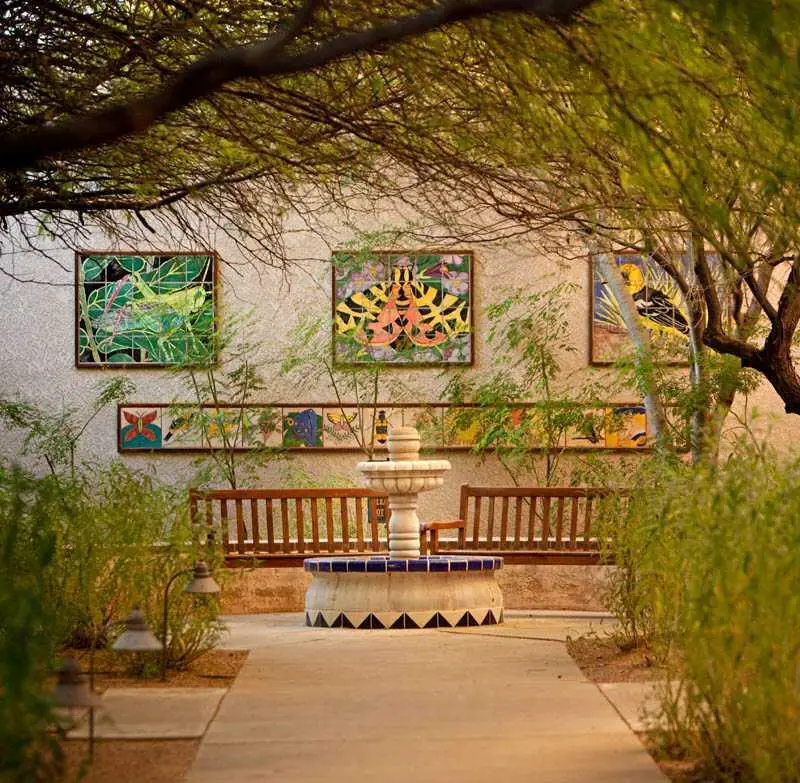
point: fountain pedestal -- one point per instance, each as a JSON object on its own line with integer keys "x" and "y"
{"x": 403, "y": 589}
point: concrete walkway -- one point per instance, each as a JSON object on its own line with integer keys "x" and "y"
{"x": 497, "y": 704}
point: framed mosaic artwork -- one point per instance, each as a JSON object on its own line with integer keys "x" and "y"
{"x": 409, "y": 309}
{"x": 658, "y": 301}
{"x": 144, "y": 309}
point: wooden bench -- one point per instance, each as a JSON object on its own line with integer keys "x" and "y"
{"x": 281, "y": 527}
{"x": 547, "y": 525}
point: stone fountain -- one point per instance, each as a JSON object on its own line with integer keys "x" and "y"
{"x": 403, "y": 589}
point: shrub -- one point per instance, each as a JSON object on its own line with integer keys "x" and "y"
{"x": 123, "y": 538}
{"x": 716, "y": 576}
{"x": 76, "y": 555}
{"x": 28, "y": 617}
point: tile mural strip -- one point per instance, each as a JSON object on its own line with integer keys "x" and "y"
{"x": 171, "y": 427}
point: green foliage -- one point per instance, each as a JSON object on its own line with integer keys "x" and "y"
{"x": 528, "y": 337}
{"x": 28, "y": 535}
{"x": 717, "y": 588}
{"x": 54, "y": 437}
{"x": 122, "y": 536}
{"x": 695, "y": 403}
{"x": 220, "y": 414}
{"x": 76, "y": 555}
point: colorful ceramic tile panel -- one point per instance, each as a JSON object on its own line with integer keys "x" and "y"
{"x": 403, "y": 308}
{"x": 462, "y": 426}
{"x": 592, "y": 432}
{"x": 626, "y": 427}
{"x": 140, "y": 428}
{"x": 658, "y": 301}
{"x": 144, "y": 310}
{"x": 268, "y": 423}
{"x": 346, "y": 427}
{"x": 302, "y": 427}
{"x": 230, "y": 427}
{"x": 429, "y": 421}
{"x": 181, "y": 428}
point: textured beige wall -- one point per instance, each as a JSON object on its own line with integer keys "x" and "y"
{"x": 38, "y": 324}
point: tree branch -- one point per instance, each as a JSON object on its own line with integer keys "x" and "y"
{"x": 21, "y": 149}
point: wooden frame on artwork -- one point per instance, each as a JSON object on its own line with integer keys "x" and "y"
{"x": 432, "y": 328}
{"x": 145, "y": 309}
{"x": 322, "y": 427}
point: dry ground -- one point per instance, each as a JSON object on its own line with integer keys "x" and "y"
{"x": 603, "y": 660}
{"x": 214, "y": 669}
{"x": 132, "y": 761}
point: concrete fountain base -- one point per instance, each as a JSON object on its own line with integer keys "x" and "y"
{"x": 434, "y": 591}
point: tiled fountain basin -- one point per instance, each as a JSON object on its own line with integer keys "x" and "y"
{"x": 434, "y": 591}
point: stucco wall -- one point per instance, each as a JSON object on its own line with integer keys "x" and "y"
{"x": 38, "y": 324}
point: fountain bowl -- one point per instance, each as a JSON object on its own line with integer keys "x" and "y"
{"x": 432, "y": 591}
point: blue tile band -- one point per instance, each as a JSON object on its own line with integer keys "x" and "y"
{"x": 381, "y": 564}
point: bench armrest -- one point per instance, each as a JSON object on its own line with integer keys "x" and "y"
{"x": 430, "y": 533}
{"x": 450, "y": 524}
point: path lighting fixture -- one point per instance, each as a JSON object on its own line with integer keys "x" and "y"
{"x": 74, "y": 692}
{"x": 201, "y": 583}
{"x": 137, "y": 636}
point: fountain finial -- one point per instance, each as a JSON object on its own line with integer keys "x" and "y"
{"x": 403, "y": 444}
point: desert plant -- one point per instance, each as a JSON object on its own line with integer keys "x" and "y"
{"x": 29, "y": 624}
{"x": 123, "y": 537}
{"x": 221, "y": 415}
{"x": 714, "y": 552}
{"x": 54, "y": 437}
{"x": 528, "y": 336}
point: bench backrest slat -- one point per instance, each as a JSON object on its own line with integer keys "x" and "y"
{"x": 532, "y": 521}
{"x": 373, "y": 526}
{"x": 345, "y": 524}
{"x": 587, "y": 521}
{"x": 556, "y": 518}
{"x": 255, "y": 525}
{"x": 270, "y": 527}
{"x": 289, "y": 522}
{"x": 573, "y": 523}
{"x": 299, "y": 524}
{"x": 359, "y": 526}
{"x": 504, "y": 522}
{"x": 546, "y": 521}
{"x": 490, "y": 521}
{"x": 315, "y": 525}
{"x": 226, "y": 540}
{"x": 477, "y": 521}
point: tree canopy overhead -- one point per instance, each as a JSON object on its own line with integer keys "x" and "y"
{"x": 140, "y": 106}
{"x": 637, "y": 124}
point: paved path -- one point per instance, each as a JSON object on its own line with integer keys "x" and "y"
{"x": 505, "y": 705}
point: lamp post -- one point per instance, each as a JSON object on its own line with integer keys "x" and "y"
{"x": 201, "y": 583}
{"x": 74, "y": 692}
{"x": 139, "y": 638}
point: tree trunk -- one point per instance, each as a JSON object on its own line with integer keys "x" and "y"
{"x": 640, "y": 339}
